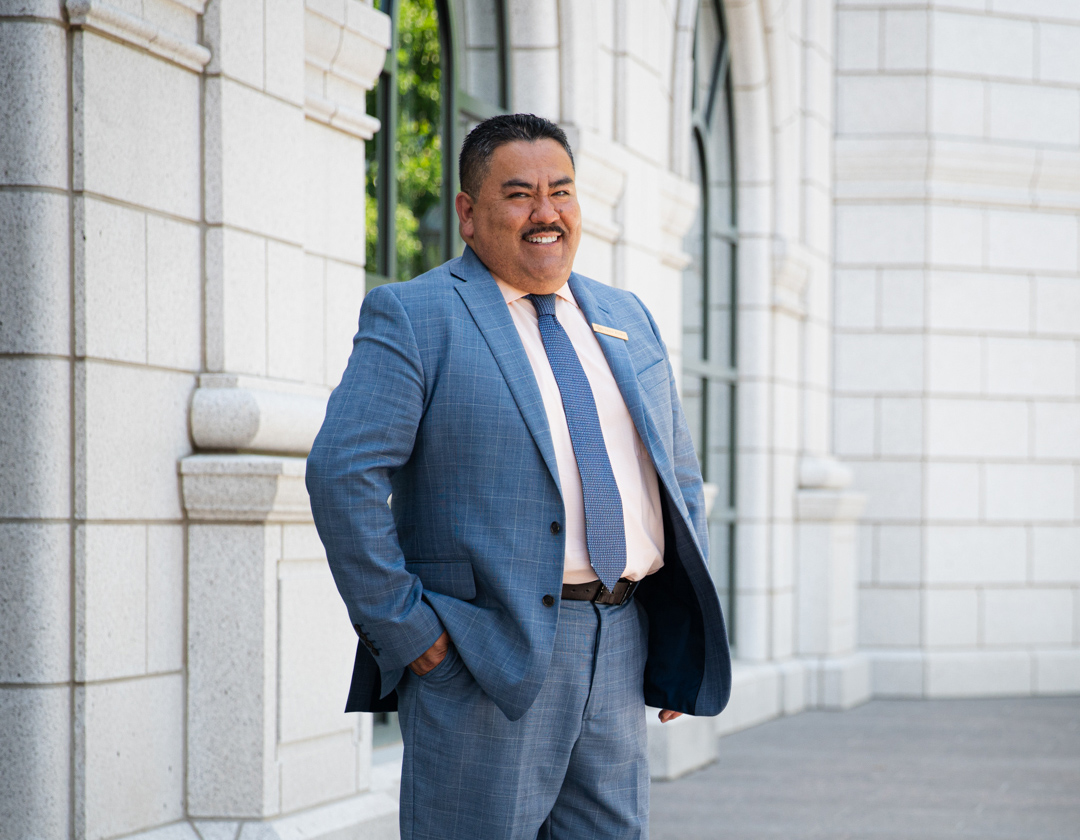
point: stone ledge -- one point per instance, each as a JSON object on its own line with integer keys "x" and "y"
{"x": 104, "y": 18}
{"x": 244, "y": 488}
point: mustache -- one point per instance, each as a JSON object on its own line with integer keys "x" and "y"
{"x": 542, "y": 229}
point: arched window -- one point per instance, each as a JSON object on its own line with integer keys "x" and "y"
{"x": 709, "y": 372}
{"x": 447, "y": 69}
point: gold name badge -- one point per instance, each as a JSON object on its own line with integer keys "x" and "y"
{"x": 609, "y": 331}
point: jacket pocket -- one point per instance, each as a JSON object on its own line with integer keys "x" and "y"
{"x": 654, "y": 376}
{"x": 446, "y": 577}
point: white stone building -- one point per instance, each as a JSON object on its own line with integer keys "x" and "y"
{"x": 874, "y": 301}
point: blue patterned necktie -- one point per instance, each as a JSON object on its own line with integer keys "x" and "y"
{"x": 604, "y": 531}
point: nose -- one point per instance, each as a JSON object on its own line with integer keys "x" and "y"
{"x": 544, "y": 211}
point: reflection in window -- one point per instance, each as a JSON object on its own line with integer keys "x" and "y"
{"x": 445, "y": 72}
{"x": 709, "y": 373}
{"x": 409, "y": 149}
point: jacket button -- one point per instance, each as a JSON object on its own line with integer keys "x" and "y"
{"x": 555, "y": 527}
{"x": 549, "y": 601}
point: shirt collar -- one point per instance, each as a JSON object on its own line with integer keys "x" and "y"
{"x": 511, "y": 294}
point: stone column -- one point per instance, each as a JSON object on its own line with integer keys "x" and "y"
{"x": 36, "y": 474}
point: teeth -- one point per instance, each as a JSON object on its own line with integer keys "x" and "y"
{"x": 543, "y": 240}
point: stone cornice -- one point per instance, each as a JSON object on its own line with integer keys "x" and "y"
{"x": 97, "y": 16}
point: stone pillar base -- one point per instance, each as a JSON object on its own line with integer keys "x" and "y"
{"x": 270, "y": 650}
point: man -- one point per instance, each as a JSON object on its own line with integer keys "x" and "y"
{"x": 539, "y": 574}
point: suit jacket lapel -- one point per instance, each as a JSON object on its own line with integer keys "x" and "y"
{"x": 617, "y": 353}
{"x": 492, "y": 316}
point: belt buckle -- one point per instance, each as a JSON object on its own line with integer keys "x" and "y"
{"x": 608, "y": 596}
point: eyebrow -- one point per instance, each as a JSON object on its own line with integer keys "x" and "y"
{"x": 562, "y": 182}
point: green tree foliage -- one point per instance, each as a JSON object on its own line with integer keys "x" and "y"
{"x": 417, "y": 142}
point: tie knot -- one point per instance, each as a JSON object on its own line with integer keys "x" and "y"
{"x": 545, "y": 304}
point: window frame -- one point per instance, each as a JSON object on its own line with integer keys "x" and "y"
{"x": 711, "y": 372}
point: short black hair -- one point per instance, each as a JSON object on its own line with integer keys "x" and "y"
{"x": 481, "y": 143}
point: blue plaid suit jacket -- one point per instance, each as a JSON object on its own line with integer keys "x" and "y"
{"x": 439, "y": 407}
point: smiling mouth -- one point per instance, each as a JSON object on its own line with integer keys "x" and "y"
{"x": 543, "y": 236}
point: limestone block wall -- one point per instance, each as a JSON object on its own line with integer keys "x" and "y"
{"x": 100, "y": 337}
{"x": 36, "y": 456}
{"x": 957, "y": 324}
{"x": 181, "y": 249}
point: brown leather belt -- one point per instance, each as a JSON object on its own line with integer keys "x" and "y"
{"x": 596, "y": 592}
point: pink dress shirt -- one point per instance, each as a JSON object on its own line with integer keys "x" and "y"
{"x": 633, "y": 469}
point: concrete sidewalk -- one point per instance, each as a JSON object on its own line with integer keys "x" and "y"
{"x": 890, "y": 770}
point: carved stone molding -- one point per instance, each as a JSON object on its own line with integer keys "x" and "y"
{"x": 244, "y": 488}
{"x": 247, "y": 414}
{"x": 823, "y": 473}
{"x": 345, "y": 44}
{"x": 600, "y": 183}
{"x": 679, "y": 198}
{"x": 107, "y": 19}
{"x": 791, "y": 275}
{"x": 921, "y": 168}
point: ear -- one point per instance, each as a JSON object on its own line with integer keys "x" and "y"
{"x": 463, "y": 204}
